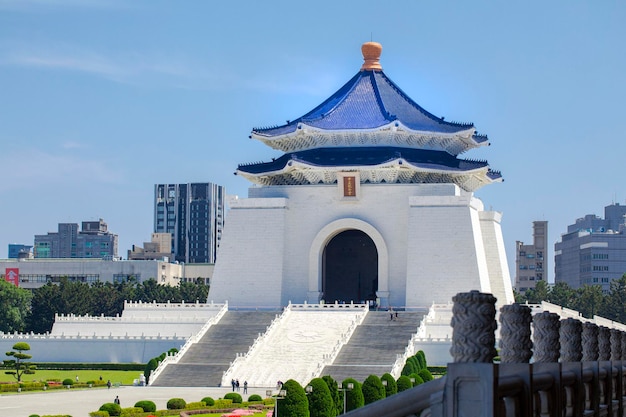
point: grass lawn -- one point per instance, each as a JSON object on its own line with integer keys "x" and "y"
{"x": 84, "y": 375}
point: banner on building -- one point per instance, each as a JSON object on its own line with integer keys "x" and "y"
{"x": 12, "y": 275}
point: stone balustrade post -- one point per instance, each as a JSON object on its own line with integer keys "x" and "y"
{"x": 546, "y": 337}
{"x": 590, "y": 342}
{"x": 616, "y": 345}
{"x": 624, "y": 346}
{"x": 570, "y": 339}
{"x": 470, "y": 381}
{"x": 604, "y": 344}
{"x": 473, "y": 327}
{"x": 515, "y": 342}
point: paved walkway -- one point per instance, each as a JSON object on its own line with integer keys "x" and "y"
{"x": 79, "y": 403}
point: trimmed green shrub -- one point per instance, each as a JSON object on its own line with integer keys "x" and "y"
{"x": 391, "y": 388}
{"x": 195, "y": 405}
{"x": 176, "y": 404}
{"x": 208, "y": 401}
{"x": 354, "y": 397}
{"x": 68, "y": 381}
{"x": 223, "y": 403}
{"x": 98, "y": 414}
{"x": 404, "y": 383}
{"x": 421, "y": 358}
{"x": 373, "y": 389}
{"x": 334, "y": 393}
{"x": 34, "y": 415}
{"x": 295, "y": 402}
{"x": 234, "y": 396}
{"x": 418, "y": 379}
{"x": 146, "y": 405}
{"x": 111, "y": 408}
{"x": 426, "y": 375}
{"x": 254, "y": 398}
{"x": 321, "y": 403}
{"x": 150, "y": 366}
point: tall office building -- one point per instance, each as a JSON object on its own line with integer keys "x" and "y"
{"x": 593, "y": 251}
{"x": 93, "y": 241}
{"x": 194, "y": 215}
{"x": 531, "y": 261}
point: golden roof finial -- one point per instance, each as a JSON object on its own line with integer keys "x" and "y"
{"x": 371, "y": 54}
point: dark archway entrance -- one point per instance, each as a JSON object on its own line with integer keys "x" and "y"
{"x": 350, "y": 268}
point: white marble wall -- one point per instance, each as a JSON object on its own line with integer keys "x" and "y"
{"x": 429, "y": 239}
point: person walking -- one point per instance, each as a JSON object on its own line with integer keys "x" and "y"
{"x": 245, "y": 387}
{"x": 117, "y": 400}
{"x": 109, "y": 384}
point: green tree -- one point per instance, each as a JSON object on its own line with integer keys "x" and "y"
{"x": 334, "y": 392}
{"x": 295, "y": 403}
{"x": 192, "y": 292}
{"x": 614, "y": 307}
{"x": 404, "y": 383}
{"x": 391, "y": 387}
{"x": 321, "y": 402}
{"x": 589, "y": 300}
{"x": 373, "y": 389}
{"x": 354, "y": 397}
{"x": 46, "y": 302}
{"x": 562, "y": 295}
{"x": 14, "y": 307}
{"x": 18, "y": 365}
{"x": 540, "y": 293}
{"x": 107, "y": 298}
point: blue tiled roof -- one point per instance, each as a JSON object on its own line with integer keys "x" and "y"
{"x": 369, "y": 100}
{"x": 368, "y": 156}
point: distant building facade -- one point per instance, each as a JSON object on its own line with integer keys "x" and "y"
{"x": 531, "y": 261}
{"x": 93, "y": 241}
{"x": 593, "y": 251}
{"x": 194, "y": 215}
{"x": 159, "y": 248}
{"x": 35, "y": 273}
{"x": 16, "y": 250}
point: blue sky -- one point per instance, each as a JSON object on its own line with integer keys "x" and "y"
{"x": 100, "y": 100}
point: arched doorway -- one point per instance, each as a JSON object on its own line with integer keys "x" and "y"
{"x": 350, "y": 268}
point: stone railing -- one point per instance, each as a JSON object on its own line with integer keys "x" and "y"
{"x": 564, "y": 367}
{"x": 171, "y": 359}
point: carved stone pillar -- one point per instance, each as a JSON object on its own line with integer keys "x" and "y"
{"x": 616, "y": 345}
{"x": 515, "y": 343}
{"x": 590, "y": 342}
{"x": 604, "y": 344}
{"x": 546, "y": 337}
{"x": 570, "y": 339}
{"x": 473, "y": 327}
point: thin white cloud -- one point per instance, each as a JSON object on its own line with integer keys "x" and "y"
{"x": 33, "y": 168}
{"x": 166, "y": 71}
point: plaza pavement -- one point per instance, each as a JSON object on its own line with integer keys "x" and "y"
{"x": 80, "y": 402}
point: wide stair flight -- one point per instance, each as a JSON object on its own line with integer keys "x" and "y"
{"x": 205, "y": 362}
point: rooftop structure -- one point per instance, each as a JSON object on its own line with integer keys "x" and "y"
{"x": 531, "y": 261}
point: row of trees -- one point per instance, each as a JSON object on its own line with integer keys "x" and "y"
{"x": 589, "y": 300}
{"x": 326, "y": 399}
{"x": 24, "y": 310}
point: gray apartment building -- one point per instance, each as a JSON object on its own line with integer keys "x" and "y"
{"x": 593, "y": 251}
{"x": 194, "y": 215}
{"x": 93, "y": 241}
{"x": 531, "y": 261}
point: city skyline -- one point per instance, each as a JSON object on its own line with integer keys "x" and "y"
{"x": 105, "y": 99}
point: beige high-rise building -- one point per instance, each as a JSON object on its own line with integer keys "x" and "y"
{"x": 531, "y": 261}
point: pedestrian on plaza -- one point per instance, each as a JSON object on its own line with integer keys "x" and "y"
{"x": 245, "y": 387}
{"x": 117, "y": 400}
{"x": 237, "y": 383}
{"x": 109, "y": 384}
{"x": 232, "y": 382}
